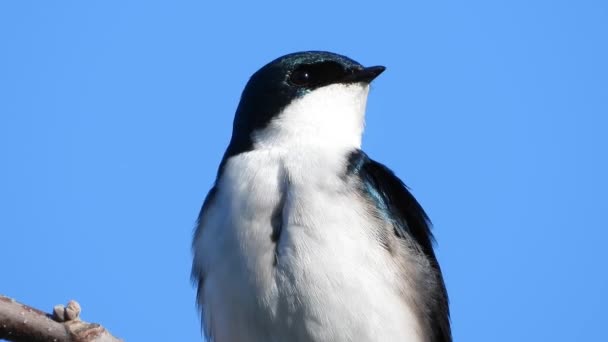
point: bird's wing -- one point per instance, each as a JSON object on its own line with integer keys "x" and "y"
{"x": 394, "y": 199}
{"x": 197, "y": 276}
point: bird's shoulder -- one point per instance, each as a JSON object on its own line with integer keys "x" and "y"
{"x": 393, "y": 198}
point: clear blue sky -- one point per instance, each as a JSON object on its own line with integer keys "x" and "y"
{"x": 114, "y": 116}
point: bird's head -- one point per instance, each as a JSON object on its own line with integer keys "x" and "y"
{"x": 304, "y": 98}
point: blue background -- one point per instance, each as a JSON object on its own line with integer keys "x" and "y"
{"x": 115, "y": 114}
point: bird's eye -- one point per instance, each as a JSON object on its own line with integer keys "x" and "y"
{"x": 317, "y": 74}
{"x": 299, "y": 77}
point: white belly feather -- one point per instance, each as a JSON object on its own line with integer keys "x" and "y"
{"x": 328, "y": 279}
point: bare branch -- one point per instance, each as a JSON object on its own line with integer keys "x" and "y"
{"x": 20, "y": 323}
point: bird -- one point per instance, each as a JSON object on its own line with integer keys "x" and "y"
{"x": 304, "y": 237}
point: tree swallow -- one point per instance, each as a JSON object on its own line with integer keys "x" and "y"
{"x": 303, "y": 237}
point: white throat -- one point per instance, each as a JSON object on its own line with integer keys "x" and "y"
{"x": 331, "y": 116}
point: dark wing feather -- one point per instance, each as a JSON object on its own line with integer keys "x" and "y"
{"x": 411, "y": 222}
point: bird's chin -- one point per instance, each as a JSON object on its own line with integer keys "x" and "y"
{"x": 330, "y": 116}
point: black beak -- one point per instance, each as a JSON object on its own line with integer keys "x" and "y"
{"x": 365, "y": 75}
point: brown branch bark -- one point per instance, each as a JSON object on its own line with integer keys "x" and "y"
{"x": 20, "y": 323}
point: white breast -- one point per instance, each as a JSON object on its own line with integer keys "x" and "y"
{"x": 328, "y": 279}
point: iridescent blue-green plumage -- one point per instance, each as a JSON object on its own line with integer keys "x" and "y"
{"x": 396, "y": 204}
